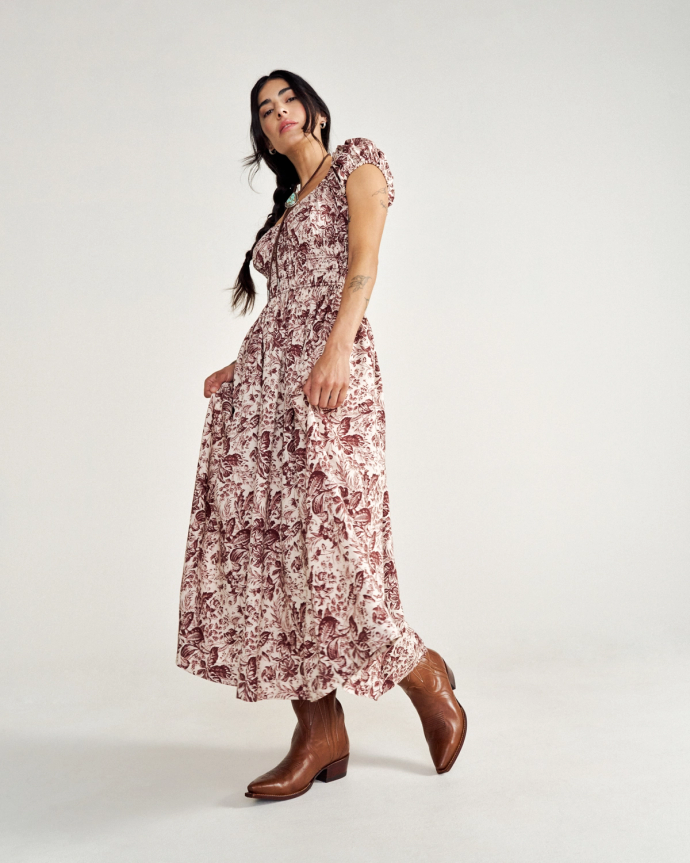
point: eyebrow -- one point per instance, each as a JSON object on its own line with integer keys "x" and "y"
{"x": 280, "y": 93}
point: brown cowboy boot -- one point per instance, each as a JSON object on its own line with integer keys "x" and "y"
{"x": 319, "y": 750}
{"x": 430, "y": 687}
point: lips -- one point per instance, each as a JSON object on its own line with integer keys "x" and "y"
{"x": 287, "y": 125}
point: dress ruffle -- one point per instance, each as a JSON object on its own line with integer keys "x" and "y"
{"x": 361, "y": 151}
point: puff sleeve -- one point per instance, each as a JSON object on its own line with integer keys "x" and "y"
{"x": 360, "y": 151}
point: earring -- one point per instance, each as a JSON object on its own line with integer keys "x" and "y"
{"x": 271, "y": 150}
{"x": 323, "y": 125}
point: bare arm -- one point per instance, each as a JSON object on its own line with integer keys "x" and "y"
{"x": 367, "y": 201}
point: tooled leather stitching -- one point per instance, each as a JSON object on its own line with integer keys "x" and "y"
{"x": 324, "y": 720}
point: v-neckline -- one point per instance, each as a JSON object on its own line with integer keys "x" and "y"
{"x": 309, "y": 194}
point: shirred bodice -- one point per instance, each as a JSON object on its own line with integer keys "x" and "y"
{"x": 313, "y": 244}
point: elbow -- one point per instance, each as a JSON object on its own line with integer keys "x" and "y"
{"x": 362, "y": 260}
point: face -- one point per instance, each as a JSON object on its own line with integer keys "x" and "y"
{"x": 283, "y": 116}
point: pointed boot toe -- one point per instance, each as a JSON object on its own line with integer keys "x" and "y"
{"x": 453, "y": 735}
{"x": 270, "y": 785}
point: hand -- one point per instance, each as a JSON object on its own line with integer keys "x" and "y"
{"x": 213, "y": 382}
{"x": 328, "y": 381}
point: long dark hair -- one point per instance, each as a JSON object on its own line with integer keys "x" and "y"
{"x": 244, "y": 292}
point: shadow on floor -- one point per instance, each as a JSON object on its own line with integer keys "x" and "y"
{"x": 83, "y": 787}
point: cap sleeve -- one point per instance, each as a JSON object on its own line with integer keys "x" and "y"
{"x": 360, "y": 151}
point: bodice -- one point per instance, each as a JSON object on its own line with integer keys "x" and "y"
{"x": 313, "y": 246}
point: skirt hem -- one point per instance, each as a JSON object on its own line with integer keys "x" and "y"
{"x": 365, "y": 682}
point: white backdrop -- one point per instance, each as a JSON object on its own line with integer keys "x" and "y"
{"x": 531, "y": 314}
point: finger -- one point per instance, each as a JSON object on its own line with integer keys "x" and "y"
{"x": 333, "y": 399}
{"x": 341, "y": 397}
{"x": 325, "y": 397}
{"x": 315, "y": 395}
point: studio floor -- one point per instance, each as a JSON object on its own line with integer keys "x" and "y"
{"x": 565, "y": 760}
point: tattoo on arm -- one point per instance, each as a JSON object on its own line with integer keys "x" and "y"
{"x": 382, "y": 191}
{"x": 357, "y": 283}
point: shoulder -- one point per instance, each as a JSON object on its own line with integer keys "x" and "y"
{"x": 357, "y": 151}
{"x": 360, "y": 151}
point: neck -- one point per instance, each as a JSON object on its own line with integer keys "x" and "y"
{"x": 306, "y": 157}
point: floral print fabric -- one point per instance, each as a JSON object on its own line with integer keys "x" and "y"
{"x": 289, "y": 586}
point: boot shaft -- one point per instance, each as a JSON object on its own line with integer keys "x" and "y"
{"x": 321, "y": 725}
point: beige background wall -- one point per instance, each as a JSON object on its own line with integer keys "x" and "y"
{"x": 532, "y": 324}
{"x": 531, "y": 313}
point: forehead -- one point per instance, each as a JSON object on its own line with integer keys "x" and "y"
{"x": 273, "y": 90}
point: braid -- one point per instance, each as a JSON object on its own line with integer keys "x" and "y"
{"x": 244, "y": 291}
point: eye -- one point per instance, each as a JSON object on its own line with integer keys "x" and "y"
{"x": 268, "y": 111}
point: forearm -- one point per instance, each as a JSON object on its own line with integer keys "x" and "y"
{"x": 359, "y": 283}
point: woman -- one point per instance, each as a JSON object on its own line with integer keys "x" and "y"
{"x": 290, "y": 587}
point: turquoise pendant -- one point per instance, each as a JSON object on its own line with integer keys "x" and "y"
{"x": 291, "y": 201}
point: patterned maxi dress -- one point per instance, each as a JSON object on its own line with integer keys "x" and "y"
{"x": 289, "y": 586}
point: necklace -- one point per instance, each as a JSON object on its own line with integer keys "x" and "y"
{"x": 289, "y": 204}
